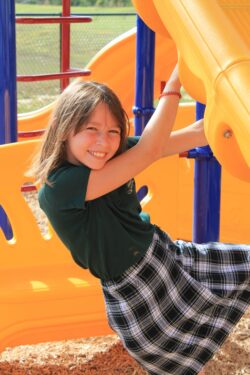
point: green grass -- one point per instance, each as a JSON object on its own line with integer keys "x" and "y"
{"x": 33, "y": 8}
{"x": 38, "y": 48}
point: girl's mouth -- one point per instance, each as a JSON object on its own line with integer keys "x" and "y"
{"x": 98, "y": 154}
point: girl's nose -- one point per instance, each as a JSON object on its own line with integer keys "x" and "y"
{"x": 102, "y": 138}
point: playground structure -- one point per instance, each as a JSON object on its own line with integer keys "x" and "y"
{"x": 43, "y": 295}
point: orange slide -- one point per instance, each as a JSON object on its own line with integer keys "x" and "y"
{"x": 213, "y": 39}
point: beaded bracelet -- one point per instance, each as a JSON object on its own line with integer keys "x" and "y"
{"x": 168, "y": 93}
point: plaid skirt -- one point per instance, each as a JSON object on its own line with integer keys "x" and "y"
{"x": 176, "y": 306}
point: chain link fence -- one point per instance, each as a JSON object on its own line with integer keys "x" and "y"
{"x": 38, "y": 52}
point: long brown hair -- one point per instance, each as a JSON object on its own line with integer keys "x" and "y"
{"x": 73, "y": 108}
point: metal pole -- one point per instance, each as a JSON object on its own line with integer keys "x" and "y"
{"x": 207, "y": 187}
{"x": 144, "y": 90}
{"x": 144, "y": 82}
{"x": 65, "y": 43}
{"x": 8, "y": 110}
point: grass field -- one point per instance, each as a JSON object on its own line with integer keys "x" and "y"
{"x": 32, "y": 8}
{"x": 38, "y": 48}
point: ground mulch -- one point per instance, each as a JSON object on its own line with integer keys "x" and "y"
{"x": 106, "y": 356}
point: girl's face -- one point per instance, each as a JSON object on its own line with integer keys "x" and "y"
{"x": 97, "y": 141}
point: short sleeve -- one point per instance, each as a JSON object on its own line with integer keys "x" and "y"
{"x": 69, "y": 187}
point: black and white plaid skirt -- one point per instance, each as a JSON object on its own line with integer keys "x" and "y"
{"x": 176, "y": 306}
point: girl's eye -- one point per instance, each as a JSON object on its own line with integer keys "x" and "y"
{"x": 92, "y": 128}
{"x": 115, "y": 131}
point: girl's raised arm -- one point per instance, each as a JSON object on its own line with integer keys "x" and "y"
{"x": 151, "y": 147}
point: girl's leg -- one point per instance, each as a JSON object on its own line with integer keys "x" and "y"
{"x": 202, "y": 372}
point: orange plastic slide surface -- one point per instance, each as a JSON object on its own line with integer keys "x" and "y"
{"x": 213, "y": 39}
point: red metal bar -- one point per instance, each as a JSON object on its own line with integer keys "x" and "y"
{"x": 65, "y": 43}
{"x": 65, "y": 20}
{"x": 62, "y": 20}
{"x": 183, "y": 154}
{"x": 28, "y": 188}
{"x": 31, "y": 133}
{"x": 47, "y": 77}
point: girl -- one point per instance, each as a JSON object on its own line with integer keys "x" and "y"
{"x": 171, "y": 303}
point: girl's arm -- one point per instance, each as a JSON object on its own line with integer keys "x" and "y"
{"x": 185, "y": 139}
{"x": 150, "y": 147}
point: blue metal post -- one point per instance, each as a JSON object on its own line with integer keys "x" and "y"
{"x": 144, "y": 82}
{"x": 207, "y": 186}
{"x": 8, "y": 111}
{"x": 144, "y": 94}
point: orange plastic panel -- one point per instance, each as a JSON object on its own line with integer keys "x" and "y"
{"x": 44, "y": 296}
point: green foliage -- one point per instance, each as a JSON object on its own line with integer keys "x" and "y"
{"x": 84, "y": 3}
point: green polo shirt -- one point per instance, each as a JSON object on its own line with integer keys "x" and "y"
{"x": 106, "y": 235}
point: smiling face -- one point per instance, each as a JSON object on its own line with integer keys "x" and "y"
{"x": 97, "y": 141}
